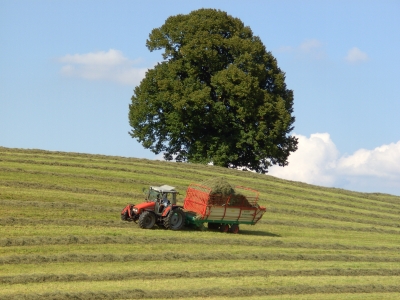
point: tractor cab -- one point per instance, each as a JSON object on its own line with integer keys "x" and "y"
{"x": 162, "y": 196}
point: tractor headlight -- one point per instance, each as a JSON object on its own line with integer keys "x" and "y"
{"x": 135, "y": 210}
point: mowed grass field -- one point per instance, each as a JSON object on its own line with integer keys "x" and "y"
{"x": 61, "y": 236}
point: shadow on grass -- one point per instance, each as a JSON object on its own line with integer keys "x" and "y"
{"x": 259, "y": 233}
{"x": 241, "y": 232}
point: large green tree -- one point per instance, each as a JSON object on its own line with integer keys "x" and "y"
{"x": 218, "y": 95}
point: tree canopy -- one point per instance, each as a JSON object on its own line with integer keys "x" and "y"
{"x": 218, "y": 95}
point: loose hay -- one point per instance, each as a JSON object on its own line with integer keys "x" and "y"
{"x": 223, "y": 193}
{"x": 214, "y": 292}
{"x": 219, "y": 186}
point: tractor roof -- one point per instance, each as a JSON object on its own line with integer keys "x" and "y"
{"x": 164, "y": 189}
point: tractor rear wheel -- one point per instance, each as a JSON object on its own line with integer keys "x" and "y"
{"x": 147, "y": 220}
{"x": 175, "y": 219}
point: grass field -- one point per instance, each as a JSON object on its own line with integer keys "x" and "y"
{"x": 61, "y": 236}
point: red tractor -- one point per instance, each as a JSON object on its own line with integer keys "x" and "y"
{"x": 160, "y": 208}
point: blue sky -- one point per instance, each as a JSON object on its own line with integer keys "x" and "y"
{"x": 68, "y": 70}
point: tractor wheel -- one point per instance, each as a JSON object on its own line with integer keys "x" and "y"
{"x": 234, "y": 228}
{"x": 147, "y": 220}
{"x": 213, "y": 226}
{"x": 175, "y": 219}
{"x": 124, "y": 216}
{"x": 224, "y": 228}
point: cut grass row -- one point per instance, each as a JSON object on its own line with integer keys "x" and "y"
{"x": 331, "y": 199}
{"x": 86, "y": 207}
{"x": 70, "y": 189}
{"x": 153, "y": 173}
{"x": 139, "y": 240}
{"x": 173, "y": 256}
{"x": 328, "y": 226}
{"x": 216, "y": 287}
{"x": 191, "y": 249}
{"x": 15, "y": 225}
{"x": 11, "y": 193}
{"x": 346, "y": 218}
{"x": 305, "y": 206}
{"x": 335, "y": 206}
{"x": 39, "y": 278}
{"x": 225, "y": 265}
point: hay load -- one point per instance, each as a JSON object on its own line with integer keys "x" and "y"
{"x": 219, "y": 186}
{"x": 222, "y": 193}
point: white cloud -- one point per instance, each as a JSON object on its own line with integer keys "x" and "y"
{"x": 310, "y": 45}
{"x": 112, "y": 57}
{"x": 317, "y": 161}
{"x": 108, "y": 66}
{"x": 355, "y": 55}
{"x": 285, "y": 49}
{"x": 381, "y": 162}
{"x": 314, "y": 162}
{"x": 312, "y": 48}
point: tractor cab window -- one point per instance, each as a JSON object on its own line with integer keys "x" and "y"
{"x": 173, "y": 198}
{"x": 164, "y": 199}
{"x": 153, "y": 195}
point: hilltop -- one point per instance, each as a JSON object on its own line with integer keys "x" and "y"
{"x": 61, "y": 235}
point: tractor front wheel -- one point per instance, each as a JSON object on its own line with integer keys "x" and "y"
{"x": 147, "y": 220}
{"x": 175, "y": 219}
{"x": 124, "y": 216}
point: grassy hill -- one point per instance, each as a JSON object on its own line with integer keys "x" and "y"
{"x": 61, "y": 236}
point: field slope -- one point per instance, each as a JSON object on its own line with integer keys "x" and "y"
{"x": 61, "y": 236}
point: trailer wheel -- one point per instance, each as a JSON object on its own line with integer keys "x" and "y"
{"x": 224, "y": 228}
{"x": 147, "y": 220}
{"x": 234, "y": 228}
{"x": 175, "y": 219}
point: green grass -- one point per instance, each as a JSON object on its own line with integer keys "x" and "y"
{"x": 61, "y": 236}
